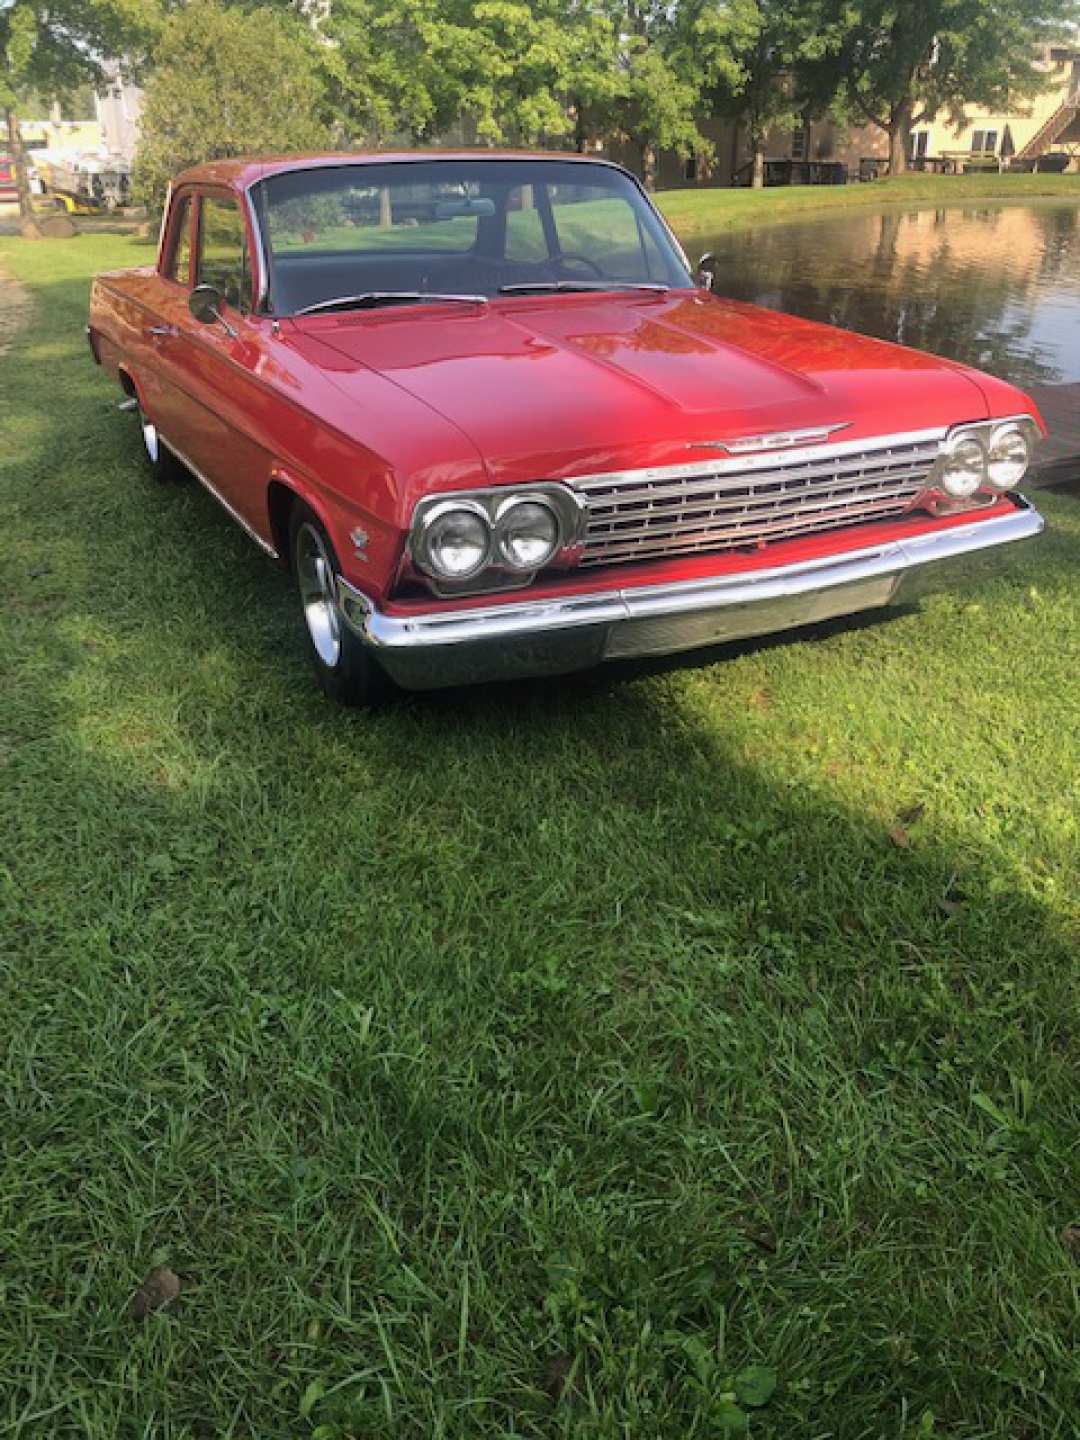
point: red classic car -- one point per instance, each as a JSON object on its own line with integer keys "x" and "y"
{"x": 481, "y": 407}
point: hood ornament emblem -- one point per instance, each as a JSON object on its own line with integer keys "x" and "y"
{"x": 778, "y": 440}
{"x": 359, "y": 538}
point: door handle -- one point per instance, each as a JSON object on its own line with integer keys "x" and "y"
{"x": 162, "y": 330}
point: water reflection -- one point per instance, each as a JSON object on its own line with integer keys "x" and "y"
{"x": 993, "y": 286}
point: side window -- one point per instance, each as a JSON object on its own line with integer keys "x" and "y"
{"x": 223, "y": 258}
{"x": 178, "y": 265}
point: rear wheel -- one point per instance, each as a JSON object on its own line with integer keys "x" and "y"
{"x": 343, "y": 664}
{"x": 160, "y": 460}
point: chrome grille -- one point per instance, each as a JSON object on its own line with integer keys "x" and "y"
{"x": 731, "y": 504}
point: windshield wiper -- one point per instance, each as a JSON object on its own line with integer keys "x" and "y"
{"x": 528, "y": 285}
{"x": 371, "y": 298}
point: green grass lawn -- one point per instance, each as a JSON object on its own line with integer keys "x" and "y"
{"x": 528, "y": 1061}
{"x": 707, "y": 212}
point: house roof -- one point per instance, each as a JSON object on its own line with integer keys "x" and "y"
{"x": 244, "y": 170}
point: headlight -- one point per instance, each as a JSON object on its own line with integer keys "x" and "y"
{"x": 964, "y": 468}
{"x": 1008, "y": 458}
{"x": 494, "y": 539}
{"x": 527, "y": 533}
{"x": 455, "y": 542}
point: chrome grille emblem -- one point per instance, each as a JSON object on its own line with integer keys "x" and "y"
{"x": 778, "y": 440}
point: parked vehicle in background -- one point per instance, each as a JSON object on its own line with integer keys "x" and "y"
{"x": 82, "y": 182}
{"x": 8, "y": 189}
{"x": 494, "y": 425}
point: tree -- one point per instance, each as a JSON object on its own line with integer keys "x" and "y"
{"x": 776, "y": 41}
{"x": 393, "y": 65}
{"x": 650, "y": 70}
{"x": 421, "y": 66}
{"x": 896, "y": 63}
{"x": 52, "y": 47}
{"x": 227, "y": 82}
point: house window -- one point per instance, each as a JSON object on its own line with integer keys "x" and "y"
{"x": 920, "y": 144}
{"x": 984, "y": 142}
{"x": 798, "y": 142}
{"x": 690, "y": 167}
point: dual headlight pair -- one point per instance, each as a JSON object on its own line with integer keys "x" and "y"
{"x": 992, "y": 456}
{"x": 505, "y": 535}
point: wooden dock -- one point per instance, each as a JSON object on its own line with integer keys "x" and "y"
{"x": 1059, "y": 457}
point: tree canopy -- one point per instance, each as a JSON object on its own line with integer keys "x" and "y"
{"x": 228, "y": 75}
{"x": 225, "y": 82}
{"x": 895, "y": 63}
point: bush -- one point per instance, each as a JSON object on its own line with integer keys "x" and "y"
{"x": 226, "y": 82}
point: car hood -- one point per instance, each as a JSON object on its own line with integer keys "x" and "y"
{"x": 566, "y": 385}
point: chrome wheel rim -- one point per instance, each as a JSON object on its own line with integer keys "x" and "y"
{"x": 150, "y": 438}
{"x": 318, "y": 595}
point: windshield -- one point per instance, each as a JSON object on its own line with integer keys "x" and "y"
{"x": 470, "y": 227}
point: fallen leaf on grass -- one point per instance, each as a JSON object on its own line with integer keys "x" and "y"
{"x": 157, "y": 1292}
{"x": 913, "y": 814}
{"x": 900, "y": 837}
{"x": 559, "y": 1379}
{"x": 1070, "y": 1238}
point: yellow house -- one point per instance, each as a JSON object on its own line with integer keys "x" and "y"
{"x": 1048, "y": 123}
{"x": 56, "y": 134}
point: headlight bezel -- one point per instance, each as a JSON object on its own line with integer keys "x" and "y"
{"x": 424, "y": 540}
{"x": 983, "y": 432}
{"x": 503, "y": 516}
{"x": 1003, "y": 432}
{"x": 975, "y": 468}
{"x": 495, "y": 507}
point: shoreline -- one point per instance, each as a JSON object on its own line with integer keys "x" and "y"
{"x": 693, "y": 213}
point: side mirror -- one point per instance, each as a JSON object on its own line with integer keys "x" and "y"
{"x": 706, "y": 270}
{"x": 205, "y": 304}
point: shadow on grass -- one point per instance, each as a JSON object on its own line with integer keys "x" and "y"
{"x": 478, "y": 1055}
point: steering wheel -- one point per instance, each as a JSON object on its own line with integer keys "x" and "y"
{"x": 567, "y": 258}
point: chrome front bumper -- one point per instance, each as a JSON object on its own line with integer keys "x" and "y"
{"x": 573, "y": 632}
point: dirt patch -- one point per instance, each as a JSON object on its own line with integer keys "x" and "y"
{"x": 15, "y": 306}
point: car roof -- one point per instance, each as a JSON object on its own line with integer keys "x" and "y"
{"x": 242, "y": 171}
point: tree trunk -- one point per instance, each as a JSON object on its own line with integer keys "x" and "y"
{"x": 757, "y": 177}
{"x": 899, "y": 129}
{"x": 581, "y": 136}
{"x": 648, "y": 165}
{"x": 28, "y": 227}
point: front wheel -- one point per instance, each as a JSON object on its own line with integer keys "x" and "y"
{"x": 343, "y": 663}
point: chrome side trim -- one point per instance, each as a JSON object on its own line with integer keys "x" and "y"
{"x": 568, "y": 632}
{"x": 230, "y": 509}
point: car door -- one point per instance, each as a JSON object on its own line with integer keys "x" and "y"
{"x": 158, "y": 324}
{"x": 218, "y": 431}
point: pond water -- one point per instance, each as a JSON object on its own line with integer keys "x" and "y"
{"x": 994, "y": 286}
